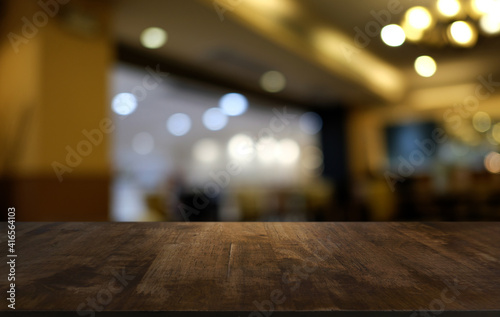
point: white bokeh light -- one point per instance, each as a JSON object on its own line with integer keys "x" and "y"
{"x": 266, "y": 149}
{"x": 310, "y": 122}
{"x": 393, "y": 35}
{"x": 241, "y": 147}
{"x": 206, "y": 150}
{"x": 143, "y": 143}
{"x": 179, "y": 124}
{"x": 287, "y": 152}
{"x": 233, "y": 104}
{"x": 214, "y": 119}
{"x": 153, "y": 37}
{"x": 124, "y": 103}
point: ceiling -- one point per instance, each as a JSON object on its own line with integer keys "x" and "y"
{"x": 310, "y": 42}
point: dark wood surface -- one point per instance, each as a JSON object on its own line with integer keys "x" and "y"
{"x": 326, "y": 268}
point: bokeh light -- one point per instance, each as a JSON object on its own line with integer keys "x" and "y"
{"x": 206, "y": 150}
{"x": 287, "y": 152}
{"x": 490, "y": 23}
{"x": 425, "y": 66}
{"x": 241, "y": 147}
{"x": 310, "y": 122}
{"x": 179, "y": 124}
{"x": 214, "y": 119}
{"x": 484, "y": 6}
{"x": 312, "y": 158}
{"x": 273, "y": 81}
{"x": 448, "y": 8}
{"x": 496, "y": 132}
{"x": 153, "y": 37}
{"x": 393, "y": 35}
{"x": 266, "y": 149}
{"x": 492, "y": 162}
{"x": 233, "y": 104}
{"x": 462, "y": 33}
{"x": 143, "y": 143}
{"x": 419, "y": 18}
{"x": 124, "y": 104}
{"x": 481, "y": 121}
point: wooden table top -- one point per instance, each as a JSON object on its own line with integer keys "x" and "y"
{"x": 256, "y": 269}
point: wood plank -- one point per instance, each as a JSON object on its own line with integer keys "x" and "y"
{"x": 327, "y": 268}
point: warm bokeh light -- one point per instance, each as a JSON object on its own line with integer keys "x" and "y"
{"x": 153, "y": 37}
{"x": 287, "y": 152}
{"x": 412, "y": 34}
{"x": 206, "y": 151}
{"x": 425, "y": 66}
{"x": 393, "y": 35}
{"x": 124, "y": 104}
{"x": 233, "y": 104}
{"x": 273, "y": 81}
{"x": 462, "y": 33}
{"x": 481, "y": 121}
{"x": 496, "y": 132}
{"x": 448, "y": 8}
{"x": 491, "y": 139}
{"x": 312, "y": 158}
{"x": 274, "y": 8}
{"x": 214, "y": 119}
{"x": 484, "y": 6}
{"x": 492, "y": 162}
{"x": 179, "y": 124}
{"x": 241, "y": 147}
{"x": 419, "y": 18}
{"x": 490, "y": 23}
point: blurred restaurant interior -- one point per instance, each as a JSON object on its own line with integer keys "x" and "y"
{"x": 250, "y": 110}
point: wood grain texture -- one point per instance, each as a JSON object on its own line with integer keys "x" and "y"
{"x": 317, "y": 267}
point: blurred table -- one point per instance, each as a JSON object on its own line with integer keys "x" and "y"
{"x": 256, "y": 269}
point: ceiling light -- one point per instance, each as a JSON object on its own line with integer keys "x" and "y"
{"x": 153, "y": 37}
{"x": 419, "y": 18}
{"x": 425, "y": 66}
{"x": 393, "y": 35}
{"x": 448, "y": 8}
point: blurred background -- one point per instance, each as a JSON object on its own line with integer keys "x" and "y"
{"x": 250, "y": 110}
